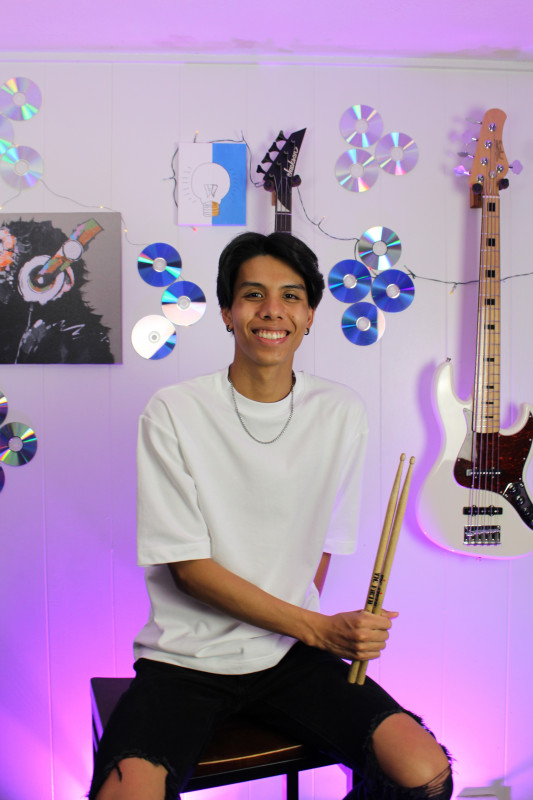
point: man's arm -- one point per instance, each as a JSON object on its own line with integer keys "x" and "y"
{"x": 352, "y": 635}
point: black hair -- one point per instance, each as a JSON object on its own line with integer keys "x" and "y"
{"x": 283, "y": 246}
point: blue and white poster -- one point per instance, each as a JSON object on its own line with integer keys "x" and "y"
{"x": 212, "y": 184}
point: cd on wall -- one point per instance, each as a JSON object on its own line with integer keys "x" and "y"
{"x": 20, "y": 99}
{"x": 396, "y": 153}
{"x": 21, "y": 167}
{"x": 361, "y": 126}
{"x": 6, "y": 135}
{"x": 349, "y": 281}
{"x": 159, "y": 264}
{"x": 3, "y": 406}
{"x": 363, "y": 323}
{"x": 393, "y": 290}
{"x": 18, "y": 444}
{"x": 153, "y": 337}
{"x": 356, "y": 170}
{"x": 183, "y": 303}
{"x": 379, "y": 248}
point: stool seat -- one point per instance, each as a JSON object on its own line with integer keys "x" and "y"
{"x": 240, "y": 750}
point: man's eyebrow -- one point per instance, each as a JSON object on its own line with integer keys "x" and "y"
{"x": 246, "y": 284}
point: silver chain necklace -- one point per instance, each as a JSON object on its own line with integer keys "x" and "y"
{"x": 282, "y": 431}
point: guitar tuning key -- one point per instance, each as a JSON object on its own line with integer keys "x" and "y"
{"x": 464, "y": 154}
{"x": 460, "y": 170}
{"x": 294, "y": 181}
{"x": 260, "y": 169}
{"x": 266, "y": 160}
{"x": 474, "y": 121}
{"x": 281, "y": 137}
{"x": 273, "y": 148}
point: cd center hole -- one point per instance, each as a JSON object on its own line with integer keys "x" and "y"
{"x": 21, "y": 167}
{"x": 183, "y": 302}
{"x": 397, "y": 153}
{"x": 392, "y": 291}
{"x": 350, "y": 281}
{"x": 15, "y": 444}
{"x": 379, "y": 248}
{"x": 361, "y": 126}
{"x": 19, "y": 98}
{"x": 159, "y": 264}
{"x": 357, "y": 170}
{"x": 363, "y": 324}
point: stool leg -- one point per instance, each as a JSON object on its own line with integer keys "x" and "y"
{"x": 291, "y": 785}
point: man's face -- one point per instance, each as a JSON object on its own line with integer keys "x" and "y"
{"x": 270, "y": 312}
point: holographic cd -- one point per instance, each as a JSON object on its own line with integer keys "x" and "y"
{"x": 3, "y": 406}
{"x": 21, "y": 167}
{"x": 393, "y": 290}
{"x": 159, "y": 264}
{"x": 379, "y": 248}
{"x": 6, "y": 135}
{"x": 183, "y": 303}
{"x": 153, "y": 337}
{"x": 20, "y": 98}
{"x": 356, "y": 170}
{"x": 349, "y": 281}
{"x": 396, "y": 153}
{"x": 2, "y": 479}
{"x": 18, "y": 444}
{"x": 361, "y": 126}
{"x": 363, "y": 323}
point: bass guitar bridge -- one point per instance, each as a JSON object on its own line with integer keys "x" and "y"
{"x": 482, "y": 534}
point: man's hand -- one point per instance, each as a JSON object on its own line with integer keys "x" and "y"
{"x": 355, "y": 635}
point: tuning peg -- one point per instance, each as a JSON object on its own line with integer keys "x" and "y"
{"x": 294, "y": 181}
{"x": 281, "y": 137}
{"x": 460, "y": 170}
{"x": 517, "y": 167}
{"x": 465, "y": 155}
{"x": 474, "y": 121}
{"x": 266, "y": 160}
{"x": 503, "y": 183}
{"x": 273, "y": 149}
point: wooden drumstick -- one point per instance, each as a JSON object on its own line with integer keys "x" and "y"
{"x": 384, "y": 557}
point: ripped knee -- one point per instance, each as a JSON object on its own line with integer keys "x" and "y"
{"x": 378, "y": 784}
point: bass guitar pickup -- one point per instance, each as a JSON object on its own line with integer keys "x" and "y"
{"x": 482, "y": 534}
{"x": 482, "y": 511}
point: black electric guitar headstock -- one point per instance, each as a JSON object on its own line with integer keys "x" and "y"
{"x": 280, "y": 177}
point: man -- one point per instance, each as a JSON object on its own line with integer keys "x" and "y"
{"x": 248, "y": 482}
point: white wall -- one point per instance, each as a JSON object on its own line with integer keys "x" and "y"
{"x": 71, "y": 595}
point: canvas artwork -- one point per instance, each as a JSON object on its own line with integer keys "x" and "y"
{"x": 212, "y": 184}
{"x": 60, "y": 288}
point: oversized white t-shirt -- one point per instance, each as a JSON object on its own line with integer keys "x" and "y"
{"x": 266, "y": 512}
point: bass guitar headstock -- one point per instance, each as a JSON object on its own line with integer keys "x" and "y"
{"x": 490, "y": 165}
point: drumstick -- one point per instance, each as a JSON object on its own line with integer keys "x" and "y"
{"x": 385, "y": 556}
{"x": 375, "y": 580}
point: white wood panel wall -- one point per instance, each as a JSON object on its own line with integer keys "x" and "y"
{"x": 71, "y": 595}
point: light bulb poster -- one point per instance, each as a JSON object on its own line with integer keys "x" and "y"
{"x": 212, "y": 184}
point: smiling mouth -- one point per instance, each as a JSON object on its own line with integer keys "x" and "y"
{"x": 273, "y": 335}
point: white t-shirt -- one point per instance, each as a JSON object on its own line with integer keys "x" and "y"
{"x": 265, "y": 512}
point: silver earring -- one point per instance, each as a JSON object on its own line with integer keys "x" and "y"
{"x": 229, "y": 330}
{"x": 306, "y": 332}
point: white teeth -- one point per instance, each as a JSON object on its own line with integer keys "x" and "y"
{"x": 271, "y": 334}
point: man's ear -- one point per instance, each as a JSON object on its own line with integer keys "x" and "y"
{"x": 226, "y": 316}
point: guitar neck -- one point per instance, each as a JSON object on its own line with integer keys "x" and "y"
{"x": 486, "y": 400}
{"x": 283, "y": 201}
